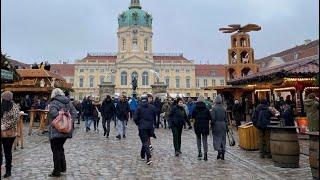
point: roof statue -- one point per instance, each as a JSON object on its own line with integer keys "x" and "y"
{"x": 237, "y": 27}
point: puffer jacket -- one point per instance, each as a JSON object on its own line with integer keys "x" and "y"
{"x": 145, "y": 115}
{"x": 177, "y": 116}
{"x": 261, "y": 117}
{"x": 56, "y": 104}
{"x": 312, "y": 109}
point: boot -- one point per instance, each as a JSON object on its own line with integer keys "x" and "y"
{"x": 222, "y": 156}
{"x": 218, "y": 157}
{"x": 104, "y": 133}
{"x": 205, "y": 157}
{"x": 199, "y": 155}
{"x": 8, "y": 172}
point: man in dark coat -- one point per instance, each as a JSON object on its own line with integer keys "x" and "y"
{"x": 107, "y": 111}
{"x": 87, "y": 107}
{"x": 237, "y": 112}
{"x": 144, "y": 118}
{"x": 157, "y": 104}
{"x": 202, "y": 117}
{"x": 261, "y": 119}
{"x": 122, "y": 111}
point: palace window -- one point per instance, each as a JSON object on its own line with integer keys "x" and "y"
{"x": 177, "y": 70}
{"x": 91, "y": 81}
{"x": 146, "y": 45}
{"x": 124, "y": 78}
{"x": 81, "y": 82}
{"x": 187, "y": 70}
{"x": 81, "y": 70}
{"x": 197, "y": 83}
{"x": 222, "y": 82}
{"x": 167, "y": 70}
{"x": 188, "y": 82}
{"x": 167, "y": 79}
{"x": 197, "y": 94}
{"x": 145, "y": 79}
{"x": 188, "y": 94}
{"x": 213, "y": 82}
{"x": 124, "y": 44}
{"x": 101, "y": 79}
{"x": 177, "y": 82}
{"x": 205, "y": 83}
{"x": 113, "y": 79}
{"x": 102, "y": 70}
{"x": 135, "y": 44}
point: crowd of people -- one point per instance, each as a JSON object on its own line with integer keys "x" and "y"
{"x": 148, "y": 113}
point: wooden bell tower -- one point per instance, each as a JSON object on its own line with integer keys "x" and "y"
{"x": 240, "y": 55}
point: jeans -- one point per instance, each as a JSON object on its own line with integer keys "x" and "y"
{"x": 7, "y": 148}
{"x": 106, "y": 129}
{"x": 59, "y": 159}
{"x": 121, "y": 127}
{"x": 264, "y": 141}
{"x": 88, "y": 120}
{"x": 177, "y": 131}
{"x": 144, "y": 135}
{"x": 204, "y": 142}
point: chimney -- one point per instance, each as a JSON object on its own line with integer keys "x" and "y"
{"x": 307, "y": 41}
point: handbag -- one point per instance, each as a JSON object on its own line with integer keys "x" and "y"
{"x": 231, "y": 140}
{"x": 8, "y": 133}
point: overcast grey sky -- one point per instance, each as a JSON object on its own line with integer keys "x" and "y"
{"x": 37, "y": 30}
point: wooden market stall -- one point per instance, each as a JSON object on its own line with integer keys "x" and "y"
{"x": 298, "y": 78}
{"x": 37, "y": 82}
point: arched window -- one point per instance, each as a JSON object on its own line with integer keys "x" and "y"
{"x": 101, "y": 79}
{"x": 146, "y": 45}
{"x": 145, "y": 79}
{"x": 134, "y": 74}
{"x": 123, "y": 44}
{"x": 81, "y": 81}
{"x": 135, "y": 43}
{"x": 91, "y": 81}
{"x": 124, "y": 78}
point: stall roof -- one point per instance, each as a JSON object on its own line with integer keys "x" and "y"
{"x": 307, "y": 67}
{"x": 37, "y": 73}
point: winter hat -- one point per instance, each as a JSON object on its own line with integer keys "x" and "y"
{"x": 7, "y": 95}
{"x": 311, "y": 96}
{"x": 144, "y": 98}
{"x": 264, "y": 102}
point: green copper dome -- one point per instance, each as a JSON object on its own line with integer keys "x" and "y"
{"x": 135, "y": 16}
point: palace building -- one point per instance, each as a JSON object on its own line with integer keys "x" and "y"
{"x": 135, "y": 58}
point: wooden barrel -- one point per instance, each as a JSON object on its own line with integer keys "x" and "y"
{"x": 314, "y": 154}
{"x": 284, "y": 146}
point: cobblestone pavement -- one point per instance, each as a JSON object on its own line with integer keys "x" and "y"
{"x": 92, "y": 156}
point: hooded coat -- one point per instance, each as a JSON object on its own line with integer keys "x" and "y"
{"x": 108, "y": 109}
{"x": 56, "y": 104}
{"x": 312, "y": 109}
{"x": 219, "y": 124}
{"x": 202, "y": 117}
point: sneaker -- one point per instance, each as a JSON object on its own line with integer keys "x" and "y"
{"x": 104, "y": 133}
{"x": 108, "y": 135}
{"x": 124, "y": 136}
{"x": 218, "y": 157}
{"x": 261, "y": 156}
{"x": 142, "y": 158}
{"x": 6, "y": 175}
{"x": 149, "y": 162}
{"x": 151, "y": 148}
{"x": 199, "y": 155}
{"x": 179, "y": 152}
{"x": 119, "y": 137}
{"x": 54, "y": 175}
{"x": 205, "y": 157}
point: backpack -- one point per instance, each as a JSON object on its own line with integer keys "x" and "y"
{"x": 63, "y": 122}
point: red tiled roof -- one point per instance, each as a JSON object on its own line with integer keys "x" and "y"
{"x": 169, "y": 58}
{"x": 298, "y": 68}
{"x": 90, "y": 58}
{"x": 63, "y": 69}
{"x": 303, "y": 51}
{"x": 206, "y": 69}
{"x": 37, "y": 73}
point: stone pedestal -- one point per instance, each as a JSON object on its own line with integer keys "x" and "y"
{"x": 159, "y": 88}
{"x": 106, "y": 88}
